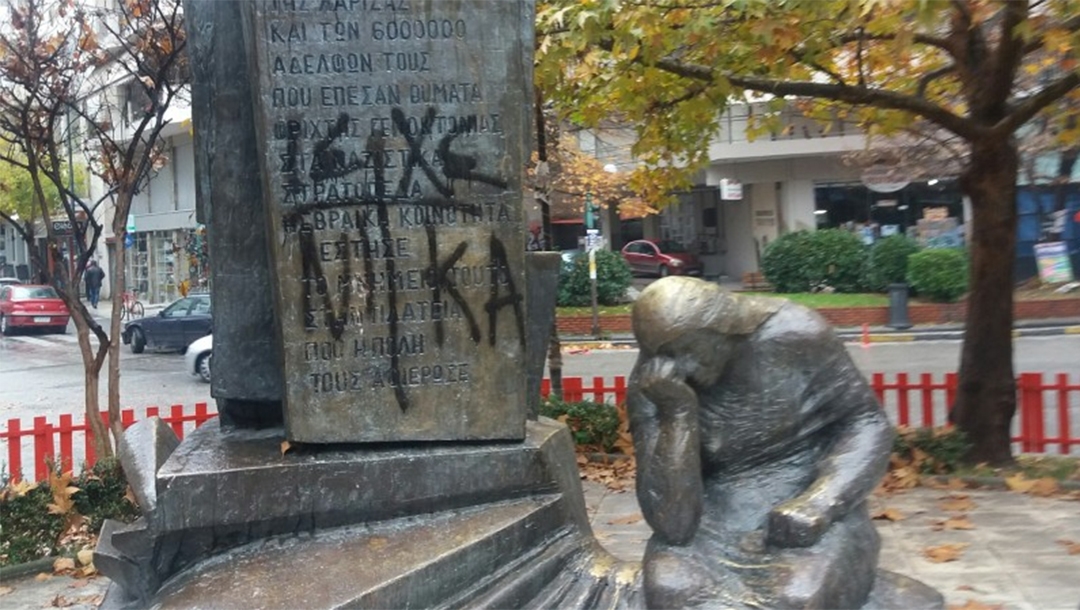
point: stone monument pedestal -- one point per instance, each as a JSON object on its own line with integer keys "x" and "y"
{"x": 232, "y": 522}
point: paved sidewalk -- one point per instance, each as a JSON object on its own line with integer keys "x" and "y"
{"x": 1014, "y": 554}
{"x": 1012, "y": 557}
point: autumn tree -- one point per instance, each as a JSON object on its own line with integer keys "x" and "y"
{"x": 563, "y": 177}
{"x": 62, "y": 63}
{"x": 978, "y": 69}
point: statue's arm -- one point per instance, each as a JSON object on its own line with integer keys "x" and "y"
{"x": 663, "y": 413}
{"x": 846, "y": 475}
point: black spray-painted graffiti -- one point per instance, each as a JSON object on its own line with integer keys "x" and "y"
{"x": 331, "y": 163}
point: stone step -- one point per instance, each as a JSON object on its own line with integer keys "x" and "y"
{"x": 594, "y": 581}
{"x": 392, "y": 564}
{"x": 522, "y": 579}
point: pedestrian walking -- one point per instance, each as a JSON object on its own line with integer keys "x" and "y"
{"x": 93, "y": 278}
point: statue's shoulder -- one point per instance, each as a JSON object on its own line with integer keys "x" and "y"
{"x": 796, "y": 322}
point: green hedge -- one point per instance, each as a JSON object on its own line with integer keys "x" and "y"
{"x": 889, "y": 262}
{"x": 811, "y": 261}
{"x": 591, "y": 423}
{"x": 30, "y": 531}
{"x": 612, "y": 279}
{"x": 939, "y": 274}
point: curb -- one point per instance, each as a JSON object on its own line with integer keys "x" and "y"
{"x": 30, "y": 567}
{"x": 992, "y": 483}
{"x": 852, "y": 335}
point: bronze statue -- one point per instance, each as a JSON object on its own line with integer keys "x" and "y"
{"x": 758, "y": 441}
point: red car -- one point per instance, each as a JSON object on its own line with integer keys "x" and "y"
{"x": 31, "y": 306}
{"x": 660, "y": 257}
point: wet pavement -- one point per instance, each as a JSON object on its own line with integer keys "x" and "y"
{"x": 1011, "y": 549}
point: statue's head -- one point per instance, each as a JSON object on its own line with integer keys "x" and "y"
{"x": 695, "y": 322}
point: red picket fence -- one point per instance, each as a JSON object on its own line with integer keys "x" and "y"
{"x": 60, "y": 439}
{"x": 1048, "y": 415}
{"x": 922, "y": 401}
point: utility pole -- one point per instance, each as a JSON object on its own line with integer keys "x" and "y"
{"x": 592, "y": 242}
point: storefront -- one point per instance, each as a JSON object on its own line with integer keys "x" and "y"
{"x": 164, "y": 265}
{"x": 930, "y": 212}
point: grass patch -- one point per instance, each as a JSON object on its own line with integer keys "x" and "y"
{"x": 604, "y": 310}
{"x": 1058, "y": 467}
{"x": 825, "y": 300}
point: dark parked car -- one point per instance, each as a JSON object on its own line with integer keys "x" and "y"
{"x": 661, "y": 258}
{"x": 173, "y": 328}
{"x": 32, "y": 306}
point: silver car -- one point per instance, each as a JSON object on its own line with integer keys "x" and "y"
{"x": 197, "y": 357}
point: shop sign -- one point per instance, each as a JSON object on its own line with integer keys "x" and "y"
{"x": 63, "y": 227}
{"x": 1053, "y": 261}
{"x": 884, "y": 179}
{"x": 730, "y": 190}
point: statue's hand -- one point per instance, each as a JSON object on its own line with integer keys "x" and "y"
{"x": 797, "y": 523}
{"x": 660, "y": 383}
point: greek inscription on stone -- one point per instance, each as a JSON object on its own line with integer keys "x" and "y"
{"x": 392, "y": 131}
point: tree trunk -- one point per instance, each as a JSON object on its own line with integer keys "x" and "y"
{"x": 986, "y": 399}
{"x": 119, "y": 286}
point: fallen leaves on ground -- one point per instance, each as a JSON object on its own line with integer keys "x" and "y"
{"x": 61, "y": 601}
{"x": 1043, "y": 488}
{"x": 86, "y": 560}
{"x": 626, "y": 519}
{"x": 975, "y": 605}
{"x": 616, "y": 475}
{"x": 63, "y": 565}
{"x": 950, "y": 484}
{"x": 285, "y": 446}
{"x": 945, "y": 552}
{"x": 956, "y": 503}
{"x": 954, "y": 523}
{"x": 899, "y": 478}
{"x": 889, "y": 514}
{"x": 1071, "y": 547}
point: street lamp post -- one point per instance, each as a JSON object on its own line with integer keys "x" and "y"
{"x": 592, "y": 243}
{"x": 591, "y": 239}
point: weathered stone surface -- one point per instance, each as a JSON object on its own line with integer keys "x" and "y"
{"x": 757, "y": 441}
{"x": 478, "y": 525}
{"x": 391, "y": 138}
{"x": 143, "y": 449}
{"x": 542, "y": 275}
{"x": 247, "y": 380}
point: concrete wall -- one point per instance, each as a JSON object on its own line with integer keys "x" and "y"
{"x": 778, "y": 198}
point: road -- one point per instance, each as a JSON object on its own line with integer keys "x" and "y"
{"x": 1058, "y": 354}
{"x": 43, "y": 374}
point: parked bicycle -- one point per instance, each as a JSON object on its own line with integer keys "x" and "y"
{"x": 131, "y": 307}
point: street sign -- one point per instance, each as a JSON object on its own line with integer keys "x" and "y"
{"x": 131, "y": 223}
{"x": 593, "y": 240}
{"x": 129, "y": 241}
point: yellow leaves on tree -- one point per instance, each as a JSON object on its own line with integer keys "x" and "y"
{"x": 572, "y": 177}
